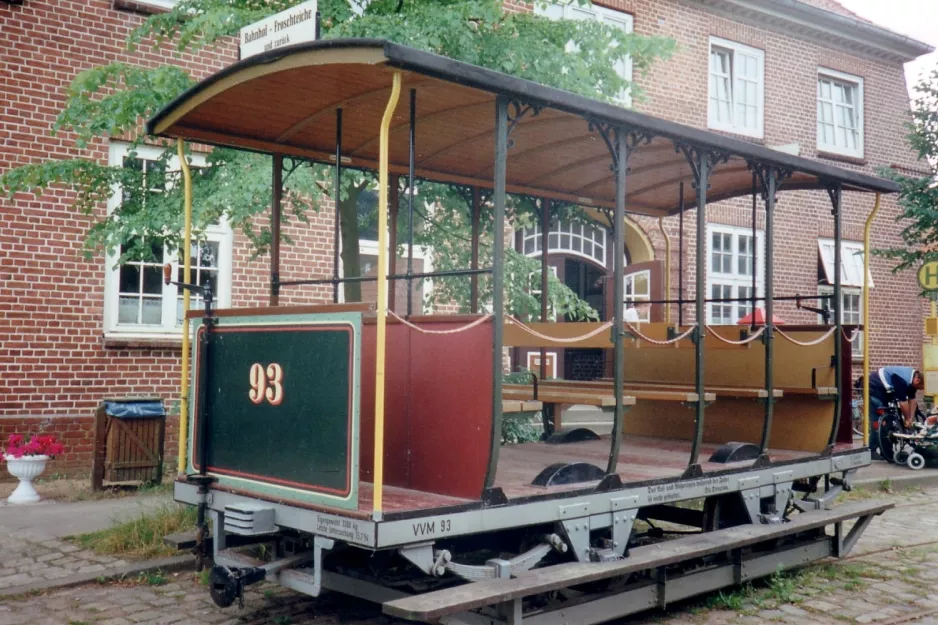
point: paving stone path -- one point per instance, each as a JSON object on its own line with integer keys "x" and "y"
{"x": 890, "y": 579}
{"x": 28, "y": 557}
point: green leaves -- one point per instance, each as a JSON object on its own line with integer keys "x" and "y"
{"x": 918, "y": 195}
{"x": 114, "y": 99}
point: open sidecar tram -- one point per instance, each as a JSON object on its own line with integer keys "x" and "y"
{"x": 366, "y": 444}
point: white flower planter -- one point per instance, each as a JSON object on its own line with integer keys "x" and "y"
{"x": 26, "y": 469}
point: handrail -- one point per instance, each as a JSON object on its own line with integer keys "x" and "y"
{"x": 382, "y": 296}
{"x": 187, "y": 242}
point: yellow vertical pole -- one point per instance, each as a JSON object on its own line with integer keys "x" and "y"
{"x": 866, "y": 321}
{"x": 382, "y": 294}
{"x": 934, "y": 341}
{"x": 183, "y": 433}
{"x": 667, "y": 270}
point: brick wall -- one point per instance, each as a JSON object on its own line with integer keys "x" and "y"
{"x": 54, "y": 359}
{"x": 677, "y": 90}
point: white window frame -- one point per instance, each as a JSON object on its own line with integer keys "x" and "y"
{"x": 851, "y": 258}
{"x": 559, "y": 230}
{"x": 572, "y": 10}
{"x": 857, "y": 345}
{"x": 369, "y": 247}
{"x": 712, "y": 121}
{"x": 635, "y": 299}
{"x": 734, "y": 279}
{"x": 163, "y": 4}
{"x": 169, "y": 329}
{"x": 856, "y": 82}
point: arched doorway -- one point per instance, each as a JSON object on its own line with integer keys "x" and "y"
{"x": 580, "y": 255}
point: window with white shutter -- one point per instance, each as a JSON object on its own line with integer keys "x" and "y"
{"x": 736, "y": 88}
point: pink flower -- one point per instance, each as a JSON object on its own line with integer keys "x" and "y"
{"x": 40, "y": 445}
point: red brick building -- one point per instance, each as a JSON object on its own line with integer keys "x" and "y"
{"x": 804, "y": 76}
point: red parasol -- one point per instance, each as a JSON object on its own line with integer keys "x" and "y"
{"x": 760, "y": 318}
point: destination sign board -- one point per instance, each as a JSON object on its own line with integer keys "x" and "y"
{"x": 289, "y": 27}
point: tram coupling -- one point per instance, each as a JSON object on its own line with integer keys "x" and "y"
{"x": 227, "y": 584}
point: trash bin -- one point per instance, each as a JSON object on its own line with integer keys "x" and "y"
{"x": 128, "y": 441}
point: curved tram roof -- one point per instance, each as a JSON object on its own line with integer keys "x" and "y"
{"x": 284, "y": 101}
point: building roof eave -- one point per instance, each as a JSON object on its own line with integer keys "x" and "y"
{"x": 821, "y": 25}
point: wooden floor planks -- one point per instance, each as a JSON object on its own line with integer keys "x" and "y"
{"x": 641, "y": 459}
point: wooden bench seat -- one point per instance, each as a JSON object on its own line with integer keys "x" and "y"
{"x": 718, "y": 391}
{"x": 519, "y": 392}
{"x": 638, "y": 391}
{"x": 821, "y": 392}
{"x": 431, "y": 606}
{"x": 516, "y": 406}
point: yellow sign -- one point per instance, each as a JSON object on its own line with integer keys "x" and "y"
{"x": 928, "y": 276}
{"x": 931, "y": 326}
{"x": 930, "y": 356}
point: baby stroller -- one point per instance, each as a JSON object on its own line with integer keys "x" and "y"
{"x": 909, "y": 446}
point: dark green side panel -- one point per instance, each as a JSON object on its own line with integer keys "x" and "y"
{"x": 282, "y": 406}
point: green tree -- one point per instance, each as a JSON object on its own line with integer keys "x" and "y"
{"x": 577, "y": 56}
{"x": 918, "y": 196}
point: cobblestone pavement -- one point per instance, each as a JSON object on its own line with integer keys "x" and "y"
{"x": 889, "y": 579}
{"x": 28, "y": 556}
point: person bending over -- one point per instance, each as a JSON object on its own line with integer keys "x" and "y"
{"x": 902, "y": 383}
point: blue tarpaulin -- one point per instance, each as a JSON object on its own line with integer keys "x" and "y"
{"x": 134, "y": 409}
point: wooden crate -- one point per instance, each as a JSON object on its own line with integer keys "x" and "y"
{"x": 128, "y": 448}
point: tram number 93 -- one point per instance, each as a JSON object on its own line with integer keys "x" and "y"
{"x": 266, "y": 384}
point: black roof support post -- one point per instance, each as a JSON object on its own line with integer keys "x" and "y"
{"x": 275, "y": 211}
{"x": 337, "y": 193}
{"x": 498, "y": 273}
{"x": 474, "y": 262}
{"x": 545, "y": 231}
{"x": 412, "y": 157}
{"x": 836, "y": 192}
{"x": 703, "y": 184}
{"x": 394, "y": 201}
{"x": 770, "y": 178}
{"x": 621, "y": 163}
{"x": 769, "y": 189}
{"x": 701, "y": 163}
{"x": 755, "y": 256}
{"x": 680, "y": 257}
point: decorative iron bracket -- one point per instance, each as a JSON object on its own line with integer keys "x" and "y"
{"x": 834, "y": 191}
{"x": 765, "y": 173}
{"x": 610, "y": 134}
{"x": 694, "y": 153}
{"x": 518, "y": 111}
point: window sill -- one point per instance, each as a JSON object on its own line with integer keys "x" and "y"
{"x": 138, "y": 6}
{"x": 843, "y": 158}
{"x": 119, "y": 340}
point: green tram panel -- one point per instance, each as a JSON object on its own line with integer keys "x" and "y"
{"x": 282, "y": 400}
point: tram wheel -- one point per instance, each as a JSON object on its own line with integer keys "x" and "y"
{"x": 723, "y": 511}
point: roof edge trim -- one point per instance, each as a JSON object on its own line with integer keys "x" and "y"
{"x": 322, "y": 52}
{"x": 824, "y": 26}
